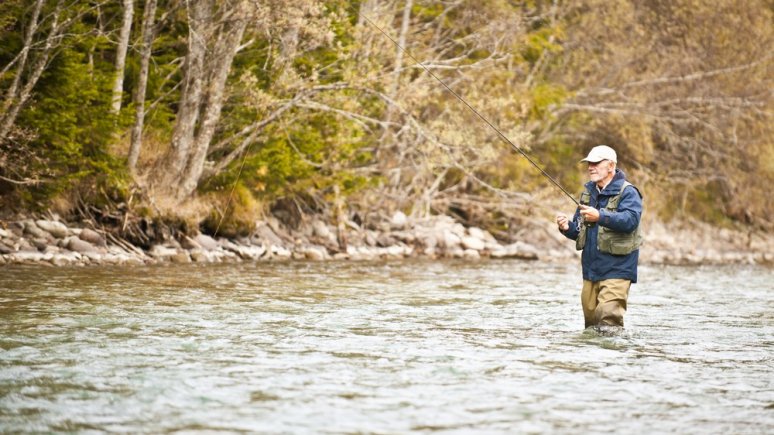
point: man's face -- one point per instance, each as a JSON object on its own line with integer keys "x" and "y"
{"x": 600, "y": 170}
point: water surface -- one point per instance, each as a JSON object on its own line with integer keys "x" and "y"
{"x": 412, "y": 346}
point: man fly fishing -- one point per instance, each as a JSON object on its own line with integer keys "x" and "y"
{"x": 606, "y": 226}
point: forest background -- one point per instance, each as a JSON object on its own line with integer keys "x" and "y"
{"x": 206, "y": 115}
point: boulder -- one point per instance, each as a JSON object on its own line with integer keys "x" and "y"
{"x": 5, "y": 249}
{"x": 470, "y": 242}
{"x": 266, "y": 234}
{"x": 189, "y": 243}
{"x": 316, "y": 253}
{"x": 521, "y": 250}
{"x": 206, "y": 242}
{"x": 320, "y": 229}
{"x": 199, "y": 256}
{"x": 40, "y": 244}
{"x": 161, "y": 252}
{"x": 476, "y": 232}
{"x": 56, "y": 229}
{"x": 81, "y": 246}
{"x": 31, "y": 229}
{"x": 92, "y": 237}
{"x": 451, "y": 240}
{"x": 180, "y": 257}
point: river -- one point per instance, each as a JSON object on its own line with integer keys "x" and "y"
{"x": 397, "y": 347}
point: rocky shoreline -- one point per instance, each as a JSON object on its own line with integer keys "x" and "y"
{"x": 52, "y": 242}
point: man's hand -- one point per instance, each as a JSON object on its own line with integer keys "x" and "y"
{"x": 590, "y": 214}
{"x": 563, "y": 222}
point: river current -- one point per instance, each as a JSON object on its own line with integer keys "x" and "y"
{"x": 398, "y": 347}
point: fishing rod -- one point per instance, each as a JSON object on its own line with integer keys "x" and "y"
{"x": 472, "y": 109}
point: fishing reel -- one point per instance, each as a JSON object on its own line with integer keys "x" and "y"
{"x": 585, "y": 199}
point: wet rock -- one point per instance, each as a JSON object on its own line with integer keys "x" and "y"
{"x": 56, "y": 229}
{"x": 4, "y": 233}
{"x": 471, "y": 254}
{"x": 93, "y": 237}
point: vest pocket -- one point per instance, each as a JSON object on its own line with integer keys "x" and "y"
{"x": 617, "y": 243}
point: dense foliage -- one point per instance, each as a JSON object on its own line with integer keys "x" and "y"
{"x": 242, "y": 108}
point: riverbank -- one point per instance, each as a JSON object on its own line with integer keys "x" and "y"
{"x": 53, "y": 242}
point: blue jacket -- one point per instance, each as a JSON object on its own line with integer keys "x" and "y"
{"x": 598, "y": 266}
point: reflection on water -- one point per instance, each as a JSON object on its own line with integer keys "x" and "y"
{"x": 494, "y": 347}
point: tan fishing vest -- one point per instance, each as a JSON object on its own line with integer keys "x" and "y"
{"x": 609, "y": 241}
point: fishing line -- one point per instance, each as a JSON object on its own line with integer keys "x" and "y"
{"x": 472, "y": 109}
{"x": 451, "y": 91}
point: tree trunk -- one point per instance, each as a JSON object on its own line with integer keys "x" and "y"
{"x": 123, "y": 45}
{"x": 11, "y": 94}
{"x": 190, "y": 98}
{"x": 224, "y": 53}
{"x": 142, "y": 84}
{"x": 16, "y": 98}
{"x": 212, "y": 44}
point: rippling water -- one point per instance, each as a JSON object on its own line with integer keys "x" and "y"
{"x": 493, "y": 347}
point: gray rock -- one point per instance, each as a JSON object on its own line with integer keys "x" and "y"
{"x": 40, "y": 244}
{"x": 189, "y": 243}
{"x": 206, "y": 242}
{"x": 266, "y": 234}
{"x": 5, "y": 249}
{"x": 521, "y": 250}
{"x": 320, "y": 229}
{"x": 81, "y": 246}
{"x": 31, "y": 229}
{"x": 56, "y": 229}
{"x": 92, "y": 237}
{"x": 161, "y": 252}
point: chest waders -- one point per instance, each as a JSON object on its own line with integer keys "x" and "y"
{"x": 609, "y": 241}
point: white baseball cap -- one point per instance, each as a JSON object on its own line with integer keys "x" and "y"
{"x": 599, "y": 153}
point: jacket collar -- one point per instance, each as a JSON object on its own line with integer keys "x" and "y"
{"x": 613, "y": 188}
